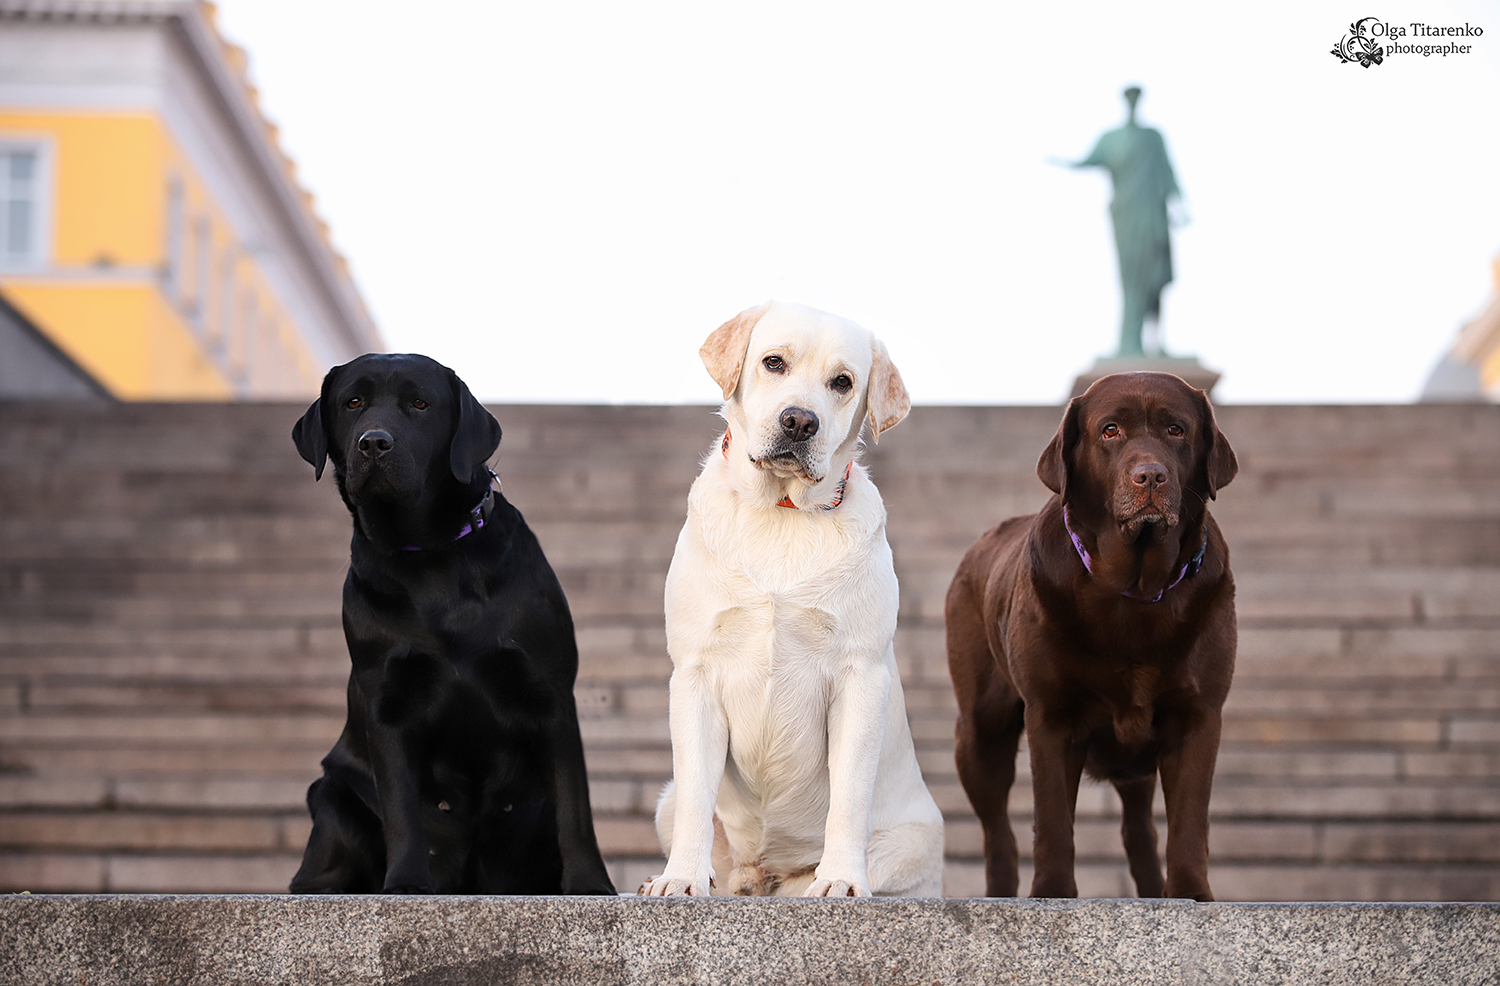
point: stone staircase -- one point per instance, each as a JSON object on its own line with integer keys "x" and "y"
{"x": 172, "y": 668}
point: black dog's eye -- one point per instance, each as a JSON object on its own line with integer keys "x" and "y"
{"x": 1111, "y": 430}
{"x": 353, "y": 403}
{"x": 1175, "y": 431}
{"x": 419, "y": 405}
{"x": 842, "y": 383}
{"x": 774, "y": 363}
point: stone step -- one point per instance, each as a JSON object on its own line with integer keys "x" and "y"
{"x": 137, "y": 823}
{"x": 1251, "y": 696}
{"x": 610, "y": 941}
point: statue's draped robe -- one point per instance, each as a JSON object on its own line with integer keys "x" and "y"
{"x": 1136, "y": 158}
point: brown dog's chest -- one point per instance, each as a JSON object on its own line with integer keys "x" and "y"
{"x": 1121, "y": 670}
{"x": 1129, "y": 704}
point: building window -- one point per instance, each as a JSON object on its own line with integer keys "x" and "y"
{"x": 219, "y": 335}
{"x": 176, "y": 220}
{"x": 203, "y": 242}
{"x": 23, "y": 204}
{"x": 242, "y": 367}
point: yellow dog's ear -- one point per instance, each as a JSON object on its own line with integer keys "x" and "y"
{"x": 723, "y": 352}
{"x": 888, "y": 398}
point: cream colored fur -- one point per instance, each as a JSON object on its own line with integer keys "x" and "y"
{"x": 792, "y": 761}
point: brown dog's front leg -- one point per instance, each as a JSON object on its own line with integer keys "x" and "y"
{"x": 1056, "y": 766}
{"x": 1187, "y": 777}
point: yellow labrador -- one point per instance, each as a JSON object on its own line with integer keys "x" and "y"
{"x": 792, "y": 761}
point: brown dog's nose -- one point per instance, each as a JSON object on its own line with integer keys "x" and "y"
{"x": 799, "y": 423}
{"x": 375, "y": 443}
{"x": 1149, "y": 475}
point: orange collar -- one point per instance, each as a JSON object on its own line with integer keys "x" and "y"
{"x": 786, "y": 500}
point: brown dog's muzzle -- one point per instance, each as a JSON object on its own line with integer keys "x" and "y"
{"x": 1147, "y": 493}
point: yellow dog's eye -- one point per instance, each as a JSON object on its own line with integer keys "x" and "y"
{"x": 1111, "y": 430}
{"x": 353, "y": 403}
{"x": 842, "y": 383}
{"x": 773, "y": 363}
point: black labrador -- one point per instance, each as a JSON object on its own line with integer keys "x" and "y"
{"x": 460, "y": 768}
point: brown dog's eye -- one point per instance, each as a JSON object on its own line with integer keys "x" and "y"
{"x": 1175, "y": 431}
{"x": 1111, "y": 430}
{"x": 419, "y": 405}
{"x": 353, "y": 403}
{"x": 773, "y": 363}
{"x": 842, "y": 383}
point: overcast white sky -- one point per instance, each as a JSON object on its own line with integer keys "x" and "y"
{"x": 561, "y": 200}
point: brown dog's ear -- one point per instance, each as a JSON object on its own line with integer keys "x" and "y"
{"x": 889, "y": 402}
{"x": 723, "y": 352}
{"x": 1052, "y": 468}
{"x": 1219, "y": 461}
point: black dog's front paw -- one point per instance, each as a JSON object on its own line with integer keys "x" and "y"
{"x": 407, "y": 888}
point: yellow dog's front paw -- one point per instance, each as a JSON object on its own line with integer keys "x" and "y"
{"x": 838, "y": 888}
{"x": 669, "y": 886}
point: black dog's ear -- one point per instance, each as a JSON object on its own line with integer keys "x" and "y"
{"x": 476, "y": 434}
{"x": 1219, "y": 461}
{"x": 1052, "y": 468}
{"x": 311, "y": 437}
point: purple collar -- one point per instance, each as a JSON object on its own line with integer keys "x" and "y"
{"x": 477, "y": 516}
{"x": 1188, "y": 570}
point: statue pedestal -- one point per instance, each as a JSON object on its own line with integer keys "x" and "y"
{"x": 1186, "y": 367}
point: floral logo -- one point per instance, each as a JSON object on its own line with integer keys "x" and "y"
{"x": 1359, "y": 44}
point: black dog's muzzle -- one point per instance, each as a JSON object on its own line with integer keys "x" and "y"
{"x": 375, "y": 443}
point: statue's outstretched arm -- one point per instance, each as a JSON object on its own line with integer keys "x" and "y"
{"x": 1177, "y": 212}
{"x": 1098, "y": 157}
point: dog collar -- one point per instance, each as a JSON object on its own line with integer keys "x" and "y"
{"x": 1190, "y": 568}
{"x": 838, "y": 494}
{"x": 477, "y": 517}
{"x": 786, "y": 499}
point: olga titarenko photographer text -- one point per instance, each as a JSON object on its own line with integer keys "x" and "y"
{"x": 1371, "y": 41}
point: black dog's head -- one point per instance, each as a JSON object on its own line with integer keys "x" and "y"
{"x": 397, "y": 427}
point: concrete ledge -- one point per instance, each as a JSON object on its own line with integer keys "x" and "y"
{"x": 459, "y": 941}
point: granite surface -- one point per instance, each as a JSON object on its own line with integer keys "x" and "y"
{"x": 467, "y": 941}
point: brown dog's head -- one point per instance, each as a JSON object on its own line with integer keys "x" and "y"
{"x": 1133, "y": 448}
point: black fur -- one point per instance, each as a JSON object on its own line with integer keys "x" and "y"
{"x": 460, "y": 768}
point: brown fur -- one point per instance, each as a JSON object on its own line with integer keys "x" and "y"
{"x": 1100, "y": 679}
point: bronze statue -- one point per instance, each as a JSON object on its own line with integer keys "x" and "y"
{"x": 1136, "y": 158}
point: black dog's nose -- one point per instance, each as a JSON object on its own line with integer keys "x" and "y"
{"x": 375, "y": 443}
{"x": 799, "y": 423}
{"x": 1149, "y": 475}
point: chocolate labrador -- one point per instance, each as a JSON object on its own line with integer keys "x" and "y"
{"x": 1104, "y": 627}
{"x": 460, "y": 768}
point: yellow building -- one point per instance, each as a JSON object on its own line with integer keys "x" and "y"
{"x": 150, "y": 226}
